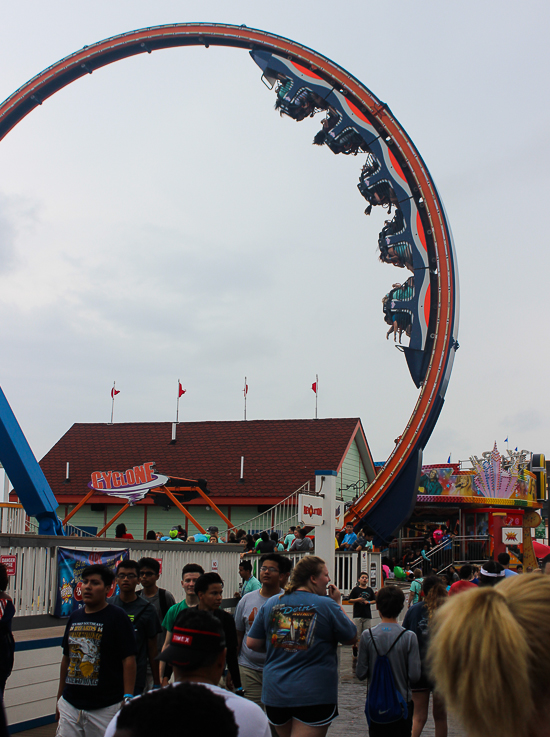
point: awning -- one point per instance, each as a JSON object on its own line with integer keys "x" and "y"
{"x": 540, "y": 550}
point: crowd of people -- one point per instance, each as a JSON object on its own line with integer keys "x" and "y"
{"x": 261, "y": 542}
{"x": 296, "y": 539}
{"x": 132, "y": 662}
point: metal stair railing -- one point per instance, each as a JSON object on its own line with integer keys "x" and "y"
{"x": 277, "y": 518}
{"x": 463, "y": 549}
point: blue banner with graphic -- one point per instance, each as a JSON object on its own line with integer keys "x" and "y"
{"x": 70, "y": 564}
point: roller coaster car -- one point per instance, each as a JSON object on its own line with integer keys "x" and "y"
{"x": 393, "y": 227}
{"x": 370, "y": 167}
{"x": 300, "y": 105}
{"x": 407, "y": 309}
{"x": 399, "y": 255}
{"x": 347, "y": 141}
{"x": 395, "y": 251}
{"x": 400, "y": 320}
{"x": 402, "y": 292}
{"x": 381, "y": 193}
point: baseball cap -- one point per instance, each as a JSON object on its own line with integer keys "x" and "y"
{"x": 212, "y": 528}
{"x": 173, "y": 532}
{"x": 196, "y": 635}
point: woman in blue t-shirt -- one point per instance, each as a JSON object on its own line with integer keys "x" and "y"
{"x": 300, "y": 630}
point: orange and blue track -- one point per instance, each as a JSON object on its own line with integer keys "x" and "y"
{"x": 389, "y": 500}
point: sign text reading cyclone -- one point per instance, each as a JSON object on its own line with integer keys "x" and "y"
{"x": 143, "y": 474}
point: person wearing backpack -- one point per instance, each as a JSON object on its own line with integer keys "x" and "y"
{"x": 389, "y": 658}
{"x": 161, "y": 599}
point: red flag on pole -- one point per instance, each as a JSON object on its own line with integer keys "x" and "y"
{"x": 314, "y": 387}
{"x": 114, "y": 392}
{"x": 181, "y": 390}
{"x": 246, "y": 389}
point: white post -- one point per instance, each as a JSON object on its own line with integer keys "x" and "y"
{"x": 325, "y": 484}
{"x": 6, "y": 488}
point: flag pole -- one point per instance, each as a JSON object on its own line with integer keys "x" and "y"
{"x": 316, "y": 392}
{"x": 113, "y": 401}
{"x": 178, "y": 404}
{"x": 245, "y": 388}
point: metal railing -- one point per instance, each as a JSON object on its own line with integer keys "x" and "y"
{"x": 72, "y": 531}
{"x": 276, "y": 519}
{"x": 457, "y": 550}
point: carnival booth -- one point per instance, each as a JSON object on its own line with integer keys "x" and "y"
{"x": 490, "y": 507}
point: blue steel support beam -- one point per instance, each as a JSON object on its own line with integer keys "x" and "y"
{"x": 25, "y": 474}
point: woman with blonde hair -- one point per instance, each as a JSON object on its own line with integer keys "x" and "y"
{"x": 489, "y": 654}
{"x": 418, "y": 619}
{"x": 301, "y": 629}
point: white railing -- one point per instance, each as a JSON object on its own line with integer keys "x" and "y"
{"x": 73, "y": 531}
{"x": 276, "y": 519}
{"x": 347, "y": 567}
{"x": 14, "y": 521}
{"x": 34, "y": 586}
{"x": 13, "y": 518}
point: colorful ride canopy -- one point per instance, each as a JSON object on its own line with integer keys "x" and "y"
{"x": 393, "y": 174}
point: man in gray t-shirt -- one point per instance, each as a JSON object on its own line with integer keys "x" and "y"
{"x": 301, "y": 542}
{"x": 274, "y": 572}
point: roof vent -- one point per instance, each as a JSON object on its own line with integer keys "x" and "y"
{"x": 241, "y": 479}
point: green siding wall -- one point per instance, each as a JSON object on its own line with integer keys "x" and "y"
{"x": 352, "y": 471}
{"x": 157, "y": 519}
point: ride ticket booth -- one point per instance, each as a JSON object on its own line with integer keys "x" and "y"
{"x": 492, "y": 506}
{"x": 504, "y": 528}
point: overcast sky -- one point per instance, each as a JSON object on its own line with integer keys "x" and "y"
{"x": 159, "y": 220}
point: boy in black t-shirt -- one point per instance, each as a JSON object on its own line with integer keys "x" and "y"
{"x": 98, "y": 668}
{"x": 144, "y": 619}
{"x": 362, "y": 596}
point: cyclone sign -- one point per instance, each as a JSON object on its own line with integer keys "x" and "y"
{"x": 132, "y": 484}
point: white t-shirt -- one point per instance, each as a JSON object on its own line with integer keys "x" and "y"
{"x": 250, "y": 719}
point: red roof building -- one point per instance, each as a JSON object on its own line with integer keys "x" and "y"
{"x": 280, "y": 456}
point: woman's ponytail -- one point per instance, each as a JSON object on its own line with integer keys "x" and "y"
{"x": 488, "y": 655}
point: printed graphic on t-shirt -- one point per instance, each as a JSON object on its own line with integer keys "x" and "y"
{"x": 293, "y": 627}
{"x": 84, "y": 660}
{"x": 252, "y": 617}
